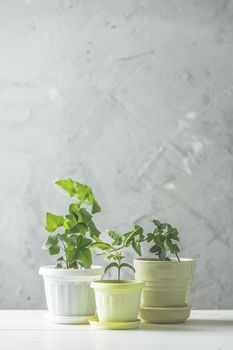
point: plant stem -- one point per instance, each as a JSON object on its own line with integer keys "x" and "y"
{"x": 119, "y": 273}
{"x": 119, "y": 268}
{"x": 64, "y": 249}
{"x": 177, "y": 256}
{"x": 111, "y": 251}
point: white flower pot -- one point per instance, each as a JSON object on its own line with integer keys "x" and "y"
{"x": 68, "y": 294}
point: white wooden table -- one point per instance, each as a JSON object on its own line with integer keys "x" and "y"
{"x": 27, "y": 329}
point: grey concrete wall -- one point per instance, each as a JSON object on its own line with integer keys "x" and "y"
{"x": 132, "y": 97}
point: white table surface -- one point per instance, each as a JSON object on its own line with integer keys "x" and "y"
{"x": 28, "y": 329}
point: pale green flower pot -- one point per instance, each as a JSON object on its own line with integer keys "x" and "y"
{"x": 117, "y": 301}
{"x": 167, "y": 283}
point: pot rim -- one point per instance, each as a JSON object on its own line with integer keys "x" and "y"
{"x": 115, "y": 284}
{"x": 172, "y": 261}
{"x": 168, "y": 308}
{"x": 50, "y": 270}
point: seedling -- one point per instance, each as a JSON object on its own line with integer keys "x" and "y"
{"x": 162, "y": 238}
{"x": 71, "y": 235}
{"x": 114, "y": 250}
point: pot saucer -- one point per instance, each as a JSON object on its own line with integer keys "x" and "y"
{"x": 96, "y": 324}
{"x": 66, "y": 319}
{"x": 165, "y": 314}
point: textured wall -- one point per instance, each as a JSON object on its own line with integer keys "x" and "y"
{"x": 132, "y": 97}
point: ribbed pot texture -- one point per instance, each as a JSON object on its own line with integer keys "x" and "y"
{"x": 117, "y": 301}
{"x": 167, "y": 283}
{"x": 68, "y": 292}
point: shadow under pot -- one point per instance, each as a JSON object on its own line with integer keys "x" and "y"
{"x": 70, "y": 299}
{"x": 167, "y": 288}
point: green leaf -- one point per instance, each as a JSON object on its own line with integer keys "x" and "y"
{"x": 154, "y": 249}
{"x": 156, "y": 222}
{"x": 71, "y": 221}
{"x": 138, "y": 229}
{"x": 54, "y": 250}
{"x": 68, "y": 185}
{"x": 101, "y": 245}
{"x": 66, "y": 239}
{"x": 74, "y": 209}
{"x": 53, "y": 222}
{"x": 129, "y": 237}
{"x": 157, "y": 231}
{"x": 84, "y": 216}
{"x": 74, "y": 240}
{"x": 136, "y": 246}
{"x": 83, "y": 193}
{"x": 170, "y": 245}
{"x": 116, "y": 237}
{"x": 159, "y": 241}
{"x": 82, "y": 228}
{"x": 109, "y": 266}
{"x": 79, "y": 241}
{"x": 85, "y": 242}
{"x": 61, "y": 258}
{"x": 95, "y": 207}
{"x": 85, "y": 257}
{"x": 162, "y": 226}
{"x": 115, "y": 256}
{"x": 150, "y": 237}
{"x": 94, "y": 232}
{"x": 176, "y": 248}
{"x": 174, "y": 234}
{"x": 79, "y": 228}
{"x": 127, "y": 265}
{"x": 51, "y": 241}
{"x": 72, "y": 254}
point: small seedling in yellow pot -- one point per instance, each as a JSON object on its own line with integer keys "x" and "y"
{"x": 118, "y": 301}
{"x": 167, "y": 277}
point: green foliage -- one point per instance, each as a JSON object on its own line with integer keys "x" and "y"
{"x": 82, "y": 193}
{"x": 162, "y": 238}
{"x": 74, "y": 233}
{"x": 53, "y": 222}
{"x": 113, "y": 251}
{"x": 134, "y": 238}
{"x": 116, "y": 237}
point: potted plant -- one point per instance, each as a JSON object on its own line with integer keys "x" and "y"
{"x": 118, "y": 301}
{"x": 167, "y": 277}
{"x": 67, "y": 284}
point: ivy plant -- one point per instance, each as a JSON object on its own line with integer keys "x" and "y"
{"x": 162, "y": 238}
{"x": 119, "y": 242}
{"x": 71, "y": 235}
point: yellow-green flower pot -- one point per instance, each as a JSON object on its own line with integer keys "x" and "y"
{"x": 167, "y": 283}
{"x": 117, "y": 301}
